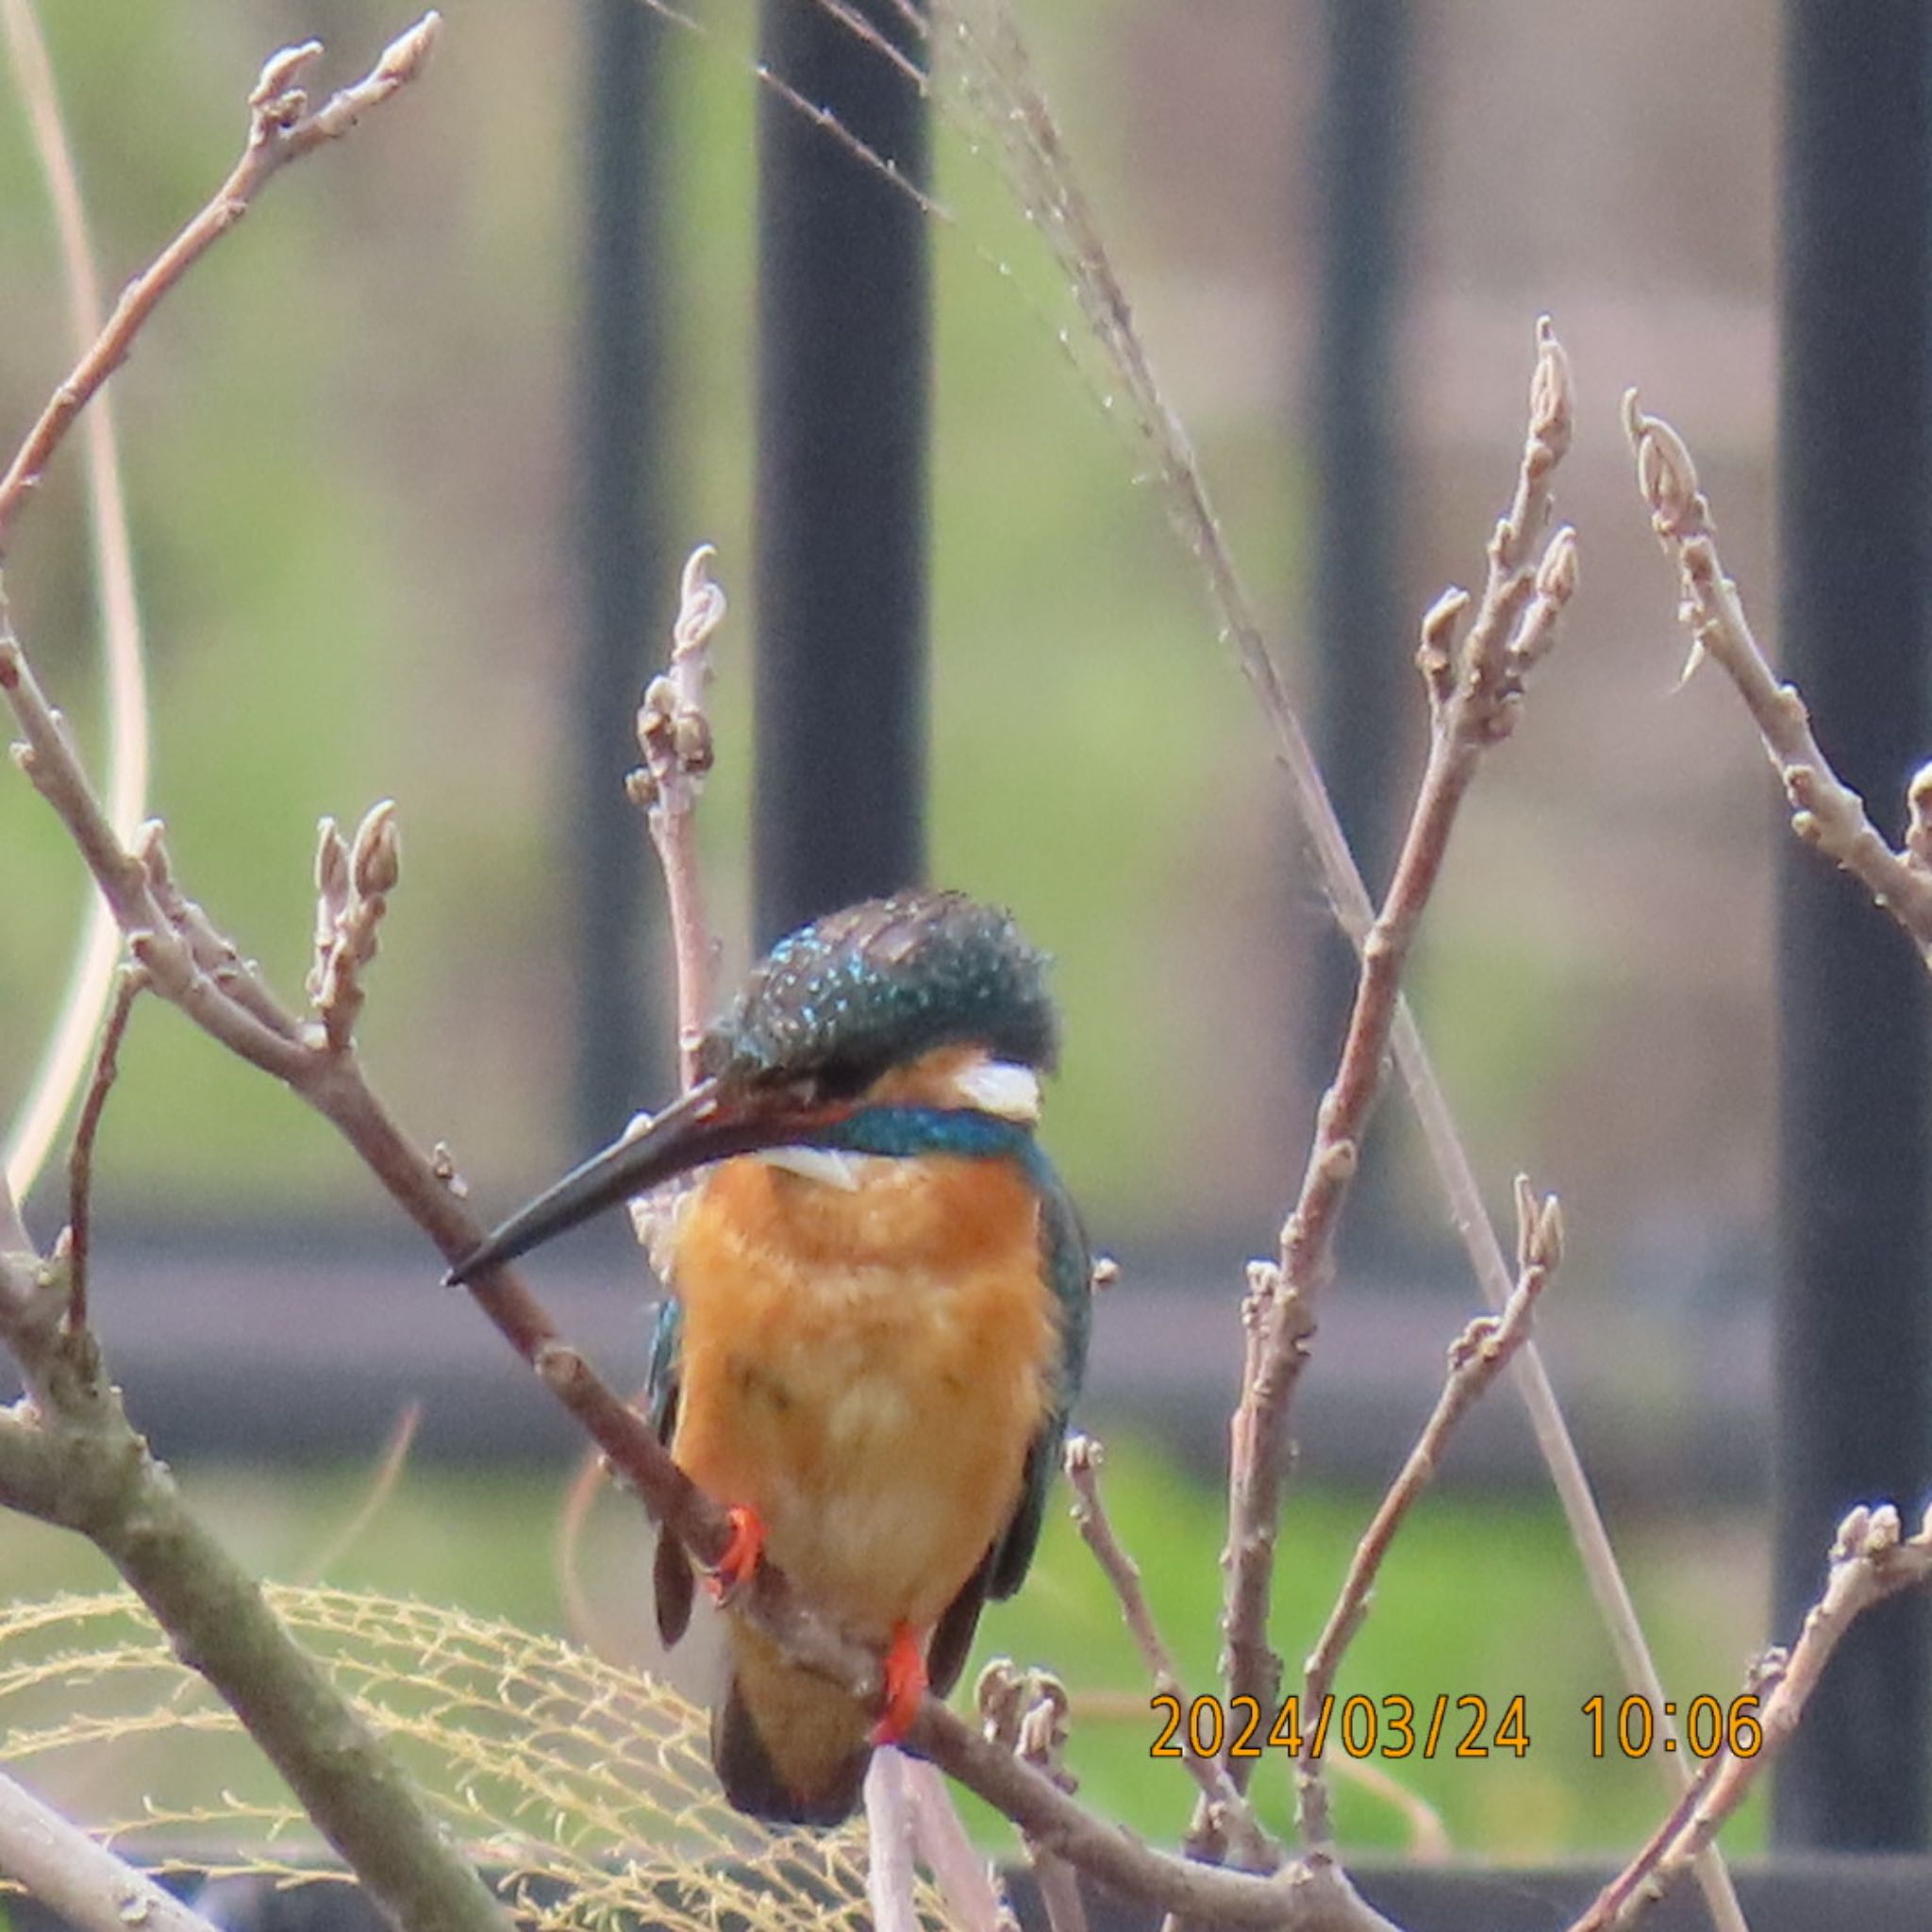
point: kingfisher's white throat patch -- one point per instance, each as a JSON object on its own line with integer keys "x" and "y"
{"x": 829, "y": 1166}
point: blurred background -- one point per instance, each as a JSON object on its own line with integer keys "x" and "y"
{"x": 354, "y": 445}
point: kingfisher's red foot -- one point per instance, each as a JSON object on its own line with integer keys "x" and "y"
{"x": 904, "y": 1675}
{"x": 736, "y": 1566}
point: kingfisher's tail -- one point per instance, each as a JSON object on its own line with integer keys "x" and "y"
{"x": 788, "y": 1746}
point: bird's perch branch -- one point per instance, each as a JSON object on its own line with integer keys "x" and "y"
{"x": 1825, "y": 811}
{"x": 281, "y": 128}
{"x": 1477, "y": 1358}
{"x": 1475, "y": 693}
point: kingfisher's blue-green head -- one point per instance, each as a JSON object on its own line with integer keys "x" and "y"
{"x": 915, "y": 1024}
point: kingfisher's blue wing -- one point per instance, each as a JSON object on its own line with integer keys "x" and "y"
{"x": 1069, "y": 1266}
{"x": 1069, "y": 1271}
{"x": 662, "y": 1377}
{"x": 671, "y": 1572}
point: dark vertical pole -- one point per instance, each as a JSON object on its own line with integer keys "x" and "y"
{"x": 626, "y": 596}
{"x": 1364, "y": 706}
{"x": 1854, "y": 1156}
{"x": 843, "y": 375}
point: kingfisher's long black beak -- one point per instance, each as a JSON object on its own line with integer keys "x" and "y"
{"x": 704, "y": 1125}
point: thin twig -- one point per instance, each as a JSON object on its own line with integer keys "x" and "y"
{"x": 383, "y": 1485}
{"x": 1475, "y": 693}
{"x": 281, "y": 128}
{"x": 1869, "y": 1561}
{"x": 1028, "y": 1712}
{"x": 1477, "y": 1358}
{"x": 1252, "y": 1849}
{"x": 64, "y": 1059}
{"x": 675, "y": 736}
{"x": 580, "y": 1617}
{"x": 80, "y": 1157}
{"x": 1825, "y": 811}
{"x": 79, "y": 1881}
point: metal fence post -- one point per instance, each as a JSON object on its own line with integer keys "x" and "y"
{"x": 1856, "y": 1160}
{"x": 844, "y": 377}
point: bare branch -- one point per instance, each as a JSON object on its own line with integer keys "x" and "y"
{"x": 675, "y": 736}
{"x": 1308, "y": 1893}
{"x": 281, "y": 129}
{"x": 1477, "y": 1358}
{"x": 1028, "y": 1712}
{"x": 74, "y": 1460}
{"x": 78, "y": 1880}
{"x": 1252, "y": 1849}
{"x": 1825, "y": 811}
{"x": 1869, "y": 1561}
{"x": 1475, "y": 690}
{"x": 80, "y": 1158}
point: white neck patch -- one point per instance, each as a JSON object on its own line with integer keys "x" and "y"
{"x": 1000, "y": 1087}
{"x": 829, "y": 1166}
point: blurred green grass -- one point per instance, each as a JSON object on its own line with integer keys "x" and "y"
{"x": 1480, "y": 1598}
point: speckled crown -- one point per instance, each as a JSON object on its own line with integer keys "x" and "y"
{"x": 882, "y": 982}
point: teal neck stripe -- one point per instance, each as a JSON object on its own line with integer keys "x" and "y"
{"x": 906, "y": 1132}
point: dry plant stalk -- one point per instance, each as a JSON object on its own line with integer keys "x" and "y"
{"x": 97, "y": 951}
{"x": 1825, "y": 811}
{"x": 1477, "y": 1358}
{"x": 1476, "y": 693}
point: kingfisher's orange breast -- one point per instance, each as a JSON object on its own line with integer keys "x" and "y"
{"x": 865, "y": 1368}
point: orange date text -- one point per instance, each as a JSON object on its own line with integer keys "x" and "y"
{"x": 1393, "y": 1726}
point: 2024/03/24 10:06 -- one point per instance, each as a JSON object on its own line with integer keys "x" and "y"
{"x": 1388, "y": 1727}
{"x": 1363, "y": 1726}
{"x": 1708, "y": 1726}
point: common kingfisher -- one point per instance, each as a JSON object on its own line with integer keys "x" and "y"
{"x": 878, "y": 1312}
